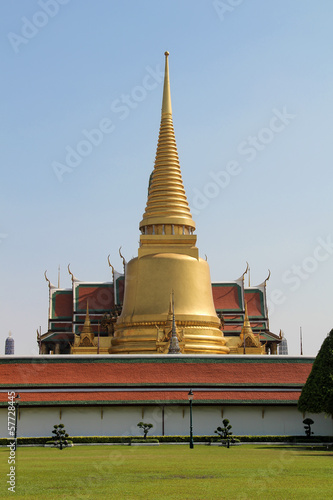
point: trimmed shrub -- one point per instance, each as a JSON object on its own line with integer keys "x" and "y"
{"x": 173, "y": 439}
{"x": 145, "y": 428}
{"x": 145, "y": 441}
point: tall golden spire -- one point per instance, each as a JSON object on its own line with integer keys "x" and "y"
{"x": 167, "y": 210}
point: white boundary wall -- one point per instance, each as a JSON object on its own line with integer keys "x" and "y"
{"x": 118, "y": 421}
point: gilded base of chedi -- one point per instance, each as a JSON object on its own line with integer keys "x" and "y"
{"x": 145, "y": 323}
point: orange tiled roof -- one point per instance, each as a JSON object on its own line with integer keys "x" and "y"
{"x": 254, "y": 303}
{"x": 226, "y": 296}
{"x": 165, "y": 396}
{"x": 62, "y": 304}
{"x": 160, "y": 369}
{"x": 100, "y": 297}
{"x": 82, "y": 380}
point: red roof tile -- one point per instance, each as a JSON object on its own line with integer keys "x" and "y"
{"x": 100, "y": 297}
{"x": 62, "y": 304}
{"x": 226, "y": 297}
{"x": 163, "y": 372}
{"x": 254, "y": 301}
{"x": 154, "y": 396}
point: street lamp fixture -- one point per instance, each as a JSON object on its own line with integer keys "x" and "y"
{"x": 17, "y": 397}
{"x": 190, "y": 398}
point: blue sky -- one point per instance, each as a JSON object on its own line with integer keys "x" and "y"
{"x": 252, "y": 88}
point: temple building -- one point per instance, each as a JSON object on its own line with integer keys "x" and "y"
{"x": 68, "y": 311}
{"x": 132, "y": 348}
{"x": 131, "y": 314}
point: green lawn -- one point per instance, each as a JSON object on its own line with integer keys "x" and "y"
{"x": 171, "y": 472}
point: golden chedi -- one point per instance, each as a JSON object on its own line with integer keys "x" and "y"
{"x": 168, "y": 261}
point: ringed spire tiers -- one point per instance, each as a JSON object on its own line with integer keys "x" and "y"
{"x": 167, "y": 210}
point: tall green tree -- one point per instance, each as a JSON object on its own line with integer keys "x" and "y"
{"x": 317, "y": 393}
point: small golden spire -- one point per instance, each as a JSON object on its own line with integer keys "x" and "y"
{"x": 87, "y": 325}
{"x": 247, "y": 337}
{"x": 170, "y": 304}
{"x": 246, "y": 329}
{"x": 174, "y": 344}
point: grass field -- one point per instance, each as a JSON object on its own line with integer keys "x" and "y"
{"x": 171, "y": 472}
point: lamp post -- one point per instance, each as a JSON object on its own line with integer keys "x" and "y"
{"x": 190, "y": 398}
{"x": 17, "y": 397}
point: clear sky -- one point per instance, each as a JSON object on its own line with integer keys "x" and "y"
{"x": 251, "y": 87}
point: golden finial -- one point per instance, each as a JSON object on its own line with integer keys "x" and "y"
{"x": 166, "y": 103}
{"x": 245, "y": 272}
{"x": 243, "y": 275}
{"x": 49, "y": 282}
{"x": 265, "y": 281}
{"x": 123, "y": 258}
{"x": 47, "y": 279}
{"x": 72, "y": 275}
{"x": 110, "y": 265}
